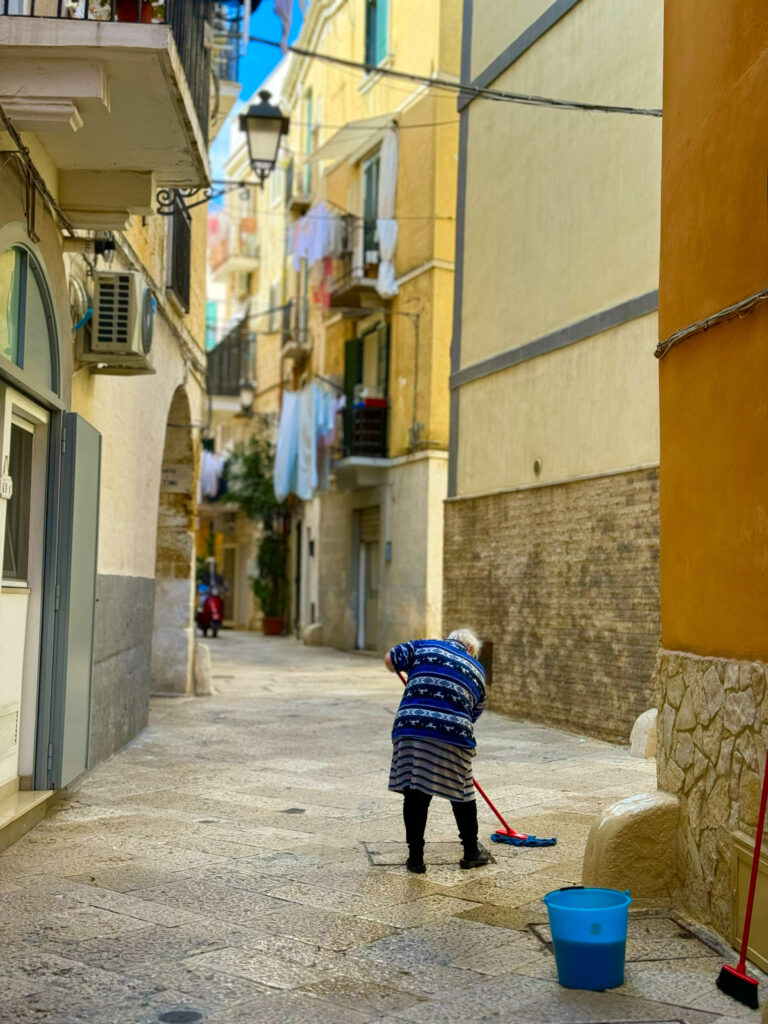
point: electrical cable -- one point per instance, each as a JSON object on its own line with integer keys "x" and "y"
{"x": 467, "y": 89}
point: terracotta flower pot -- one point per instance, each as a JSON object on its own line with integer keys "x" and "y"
{"x": 273, "y": 625}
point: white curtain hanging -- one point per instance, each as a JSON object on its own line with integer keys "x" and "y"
{"x": 386, "y": 225}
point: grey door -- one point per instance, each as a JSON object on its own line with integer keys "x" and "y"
{"x": 75, "y": 599}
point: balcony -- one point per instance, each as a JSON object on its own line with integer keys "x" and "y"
{"x": 234, "y": 249}
{"x": 119, "y": 100}
{"x": 364, "y": 459}
{"x": 298, "y": 186}
{"x": 355, "y": 285}
{"x": 230, "y": 363}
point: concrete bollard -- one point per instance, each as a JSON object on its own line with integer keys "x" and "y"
{"x": 642, "y": 739}
{"x": 203, "y": 684}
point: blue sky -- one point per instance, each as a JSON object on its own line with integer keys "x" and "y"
{"x": 254, "y": 68}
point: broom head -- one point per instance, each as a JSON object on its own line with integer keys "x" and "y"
{"x": 508, "y": 835}
{"x": 738, "y": 985}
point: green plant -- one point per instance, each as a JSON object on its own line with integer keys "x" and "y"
{"x": 270, "y": 586}
{"x": 250, "y": 485}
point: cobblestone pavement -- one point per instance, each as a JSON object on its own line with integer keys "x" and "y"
{"x": 241, "y": 862}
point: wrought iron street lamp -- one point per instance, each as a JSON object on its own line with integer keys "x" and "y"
{"x": 264, "y": 125}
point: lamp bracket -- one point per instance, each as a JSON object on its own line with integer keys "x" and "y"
{"x": 168, "y": 198}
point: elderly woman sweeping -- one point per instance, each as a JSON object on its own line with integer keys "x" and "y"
{"x": 433, "y": 738}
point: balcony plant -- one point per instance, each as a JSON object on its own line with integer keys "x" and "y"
{"x": 250, "y": 485}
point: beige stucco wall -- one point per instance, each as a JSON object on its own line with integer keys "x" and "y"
{"x": 588, "y": 408}
{"x": 563, "y": 206}
{"x": 410, "y": 585}
{"x": 498, "y": 21}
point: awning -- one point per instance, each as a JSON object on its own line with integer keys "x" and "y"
{"x": 353, "y": 136}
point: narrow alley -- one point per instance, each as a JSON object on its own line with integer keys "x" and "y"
{"x": 241, "y": 862}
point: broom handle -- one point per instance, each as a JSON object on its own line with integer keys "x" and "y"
{"x": 753, "y": 878}
{"x": 477, "y": 785}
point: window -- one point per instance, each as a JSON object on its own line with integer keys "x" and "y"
{"x": 370, "y": 210}
{"x": 27, "y": 330}
{"x": 179, "y": 252}
{"x": 211, "y": 314}
{"x": 306, "y": 183}
{"x": 17, "y": 516}
{"x": 376, "y": 26}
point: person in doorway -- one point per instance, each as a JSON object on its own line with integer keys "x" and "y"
{"x": 433, "y": 738}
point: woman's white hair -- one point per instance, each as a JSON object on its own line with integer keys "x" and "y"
{"x": 469, "y": 640}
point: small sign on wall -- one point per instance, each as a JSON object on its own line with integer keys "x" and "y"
{"x": 176, "y": 478}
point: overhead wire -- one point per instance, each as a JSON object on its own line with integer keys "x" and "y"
{"x": 467, "y": 89}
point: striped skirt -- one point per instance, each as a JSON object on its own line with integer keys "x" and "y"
{"x": 439, "y": 769}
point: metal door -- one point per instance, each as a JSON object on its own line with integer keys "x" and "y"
{"x": 75, "y": 599}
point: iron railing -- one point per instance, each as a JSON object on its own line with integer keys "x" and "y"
{"x": 230, "y": 362}
{"x": 180, "y": 252}
{"x": 187, "y": 18}
{"x": 365, "y": 430}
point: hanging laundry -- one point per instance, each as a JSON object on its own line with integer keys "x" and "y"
{"x": 286, "y": 451}
{"x": 306, "y": 474}
{"x": 386, "y": 225}
{"x": 211, "y": 472}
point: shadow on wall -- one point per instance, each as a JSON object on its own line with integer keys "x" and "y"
{"x": 173, "y": 638}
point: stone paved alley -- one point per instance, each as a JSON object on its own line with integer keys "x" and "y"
{"x": 241, "y": 863}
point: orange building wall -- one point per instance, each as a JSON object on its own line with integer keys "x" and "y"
{"x": 714, "y": 385}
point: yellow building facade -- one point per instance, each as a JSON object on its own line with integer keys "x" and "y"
{"x": 551, "y": 546}
{"x": 366, "y": 550}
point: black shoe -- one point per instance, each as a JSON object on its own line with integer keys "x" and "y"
{"x": 417, "y": 867}
{"x": 478, "y": 858}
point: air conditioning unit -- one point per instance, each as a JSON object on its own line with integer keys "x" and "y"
{"x": 123, "y": 318}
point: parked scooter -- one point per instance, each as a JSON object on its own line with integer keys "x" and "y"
{"x": 210, "y": 606}
{"x": 210, "y": 609}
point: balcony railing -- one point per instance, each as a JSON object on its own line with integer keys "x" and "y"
{"x": 187, "y": 19}
{"x": 365, "y": 429}
{"x": 230, "y": 362}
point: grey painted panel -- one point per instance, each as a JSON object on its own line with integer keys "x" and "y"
{"x": 518, "y": 47}
{"x": 603, "y": 321}
{"x": 121, "y": 663}
{"x": 78, "y": 540}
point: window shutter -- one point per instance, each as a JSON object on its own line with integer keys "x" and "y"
{"x": 382, "y": 30}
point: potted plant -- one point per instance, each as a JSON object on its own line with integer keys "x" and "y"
{"x": 270, "y": 585}
{"x": 250, "y": 484}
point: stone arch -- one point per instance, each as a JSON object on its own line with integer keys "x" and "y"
{"x": 173, "y": 639}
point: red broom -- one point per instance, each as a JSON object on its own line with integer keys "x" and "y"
{"x": 735, "y": 981}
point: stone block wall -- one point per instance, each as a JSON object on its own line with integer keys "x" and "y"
{"x": 122, "y": 653}
{"x": 712, "y": 737}
{"x": 564, "y": 580}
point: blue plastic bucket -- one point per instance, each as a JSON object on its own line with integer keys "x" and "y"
{"x": 589, "y": 933}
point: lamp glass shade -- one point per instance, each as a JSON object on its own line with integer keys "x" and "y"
{"x": 264, "y": 126}
{"x": 247, "y": 395}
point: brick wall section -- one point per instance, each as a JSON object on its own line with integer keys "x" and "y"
{"x": 565, "y": 581}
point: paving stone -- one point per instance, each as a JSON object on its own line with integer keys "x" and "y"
{"x": 172, "y": 877}
{"x": 329, "y": 930}
{"x": 271, "y": 971}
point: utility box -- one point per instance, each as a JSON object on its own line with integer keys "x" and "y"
{"x": 743, "y": 849}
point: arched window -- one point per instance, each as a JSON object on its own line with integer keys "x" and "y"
{"x": 27, "y": 328}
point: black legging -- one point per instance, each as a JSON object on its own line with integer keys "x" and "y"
{"x": 415, "y": 811}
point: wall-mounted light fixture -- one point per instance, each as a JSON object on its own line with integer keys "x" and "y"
{"x": 264, "y": 126}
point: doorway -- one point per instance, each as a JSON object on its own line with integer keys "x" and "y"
{"x": 368, "y": 577}
{"x": 23, "y": 461}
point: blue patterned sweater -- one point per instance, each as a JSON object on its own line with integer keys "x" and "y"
{"x": 445, "y": 694}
